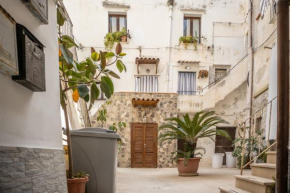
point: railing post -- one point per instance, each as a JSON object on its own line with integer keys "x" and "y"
{"x": 269, "y": 129}
{"x": 243, "y": 149}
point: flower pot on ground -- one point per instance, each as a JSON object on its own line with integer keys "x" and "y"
{"x": 202, "y": 125}
{"x": 190, "y": 169}
{"x": 77, "y": 185}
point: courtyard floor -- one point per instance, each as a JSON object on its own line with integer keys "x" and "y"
{"x": 133, "y": 180}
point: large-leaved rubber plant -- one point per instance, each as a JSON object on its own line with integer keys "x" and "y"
{"x": 85, "y": 79}
{"x": 201, "y": 125}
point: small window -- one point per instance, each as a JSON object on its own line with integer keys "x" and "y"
{"x": 117, "y": 22}
{"x": 220, "y": 73}
{"x": 191, "y": 27}
{"x": 146, "y": 84}
{"x": 187, "y": 83}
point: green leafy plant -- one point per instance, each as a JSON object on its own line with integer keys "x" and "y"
{"x": 190, "y": 40}
{"x": 117, "y": 126}
{"x": 191, "y": 129}
{"x": 85, "y": 79}
{"x": 272, "y": 187}
{"x": 111, "y": 38}
{"x": 252, "y": 145}
{"x": 102, "y": 113}
{"x": 80, "y": 174}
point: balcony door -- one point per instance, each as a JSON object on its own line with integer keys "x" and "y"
{"x": 143, "y": 145}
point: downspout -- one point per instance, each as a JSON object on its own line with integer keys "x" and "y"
{"x": 251, "y": 75}
{"x": 170, "y": 3}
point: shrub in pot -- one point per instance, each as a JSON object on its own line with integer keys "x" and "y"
{"x": 190, "y": 130}
{"x": 77, "y": 184}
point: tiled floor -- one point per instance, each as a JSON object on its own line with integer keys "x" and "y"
{"x": 161, "y": 180}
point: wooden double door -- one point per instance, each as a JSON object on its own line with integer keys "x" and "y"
{"x": 144, "y": 145}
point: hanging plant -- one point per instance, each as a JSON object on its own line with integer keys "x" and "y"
{"x": 203, "y": 74}
{"x": 190, "y": 40}
{"x": 117, "y": 36}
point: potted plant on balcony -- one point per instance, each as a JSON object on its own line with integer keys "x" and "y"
{"x": 190, "y": 40}
{"x": 118, "y": 36}
{"x": 123, "y": 34}
{"x": 80, "y": 80}
{"x": 190, "y": 130}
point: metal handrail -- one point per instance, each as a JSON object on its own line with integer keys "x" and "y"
{"x": 243, "y": 125}
{"x": 257, "y": 157}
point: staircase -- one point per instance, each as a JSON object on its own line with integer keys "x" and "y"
{"x": 260, "y": 179}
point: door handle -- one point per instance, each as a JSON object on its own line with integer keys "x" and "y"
{"x": 145, "y": 144}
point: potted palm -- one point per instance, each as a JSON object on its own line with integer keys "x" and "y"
{"x": 190, "y": 130}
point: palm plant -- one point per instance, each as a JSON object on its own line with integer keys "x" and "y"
{"x": 200, "y": 126}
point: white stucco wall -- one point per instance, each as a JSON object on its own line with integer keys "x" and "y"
{"x": 32, "y": 119}
{"x": 148, "y": 22}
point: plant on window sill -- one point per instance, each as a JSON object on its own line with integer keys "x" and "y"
{"x": 118, "y": 36}
{"x": 191, "y": 40}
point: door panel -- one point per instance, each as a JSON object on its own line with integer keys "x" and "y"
{"x": 222, "y": 144}
{"x": 144, "y": 145}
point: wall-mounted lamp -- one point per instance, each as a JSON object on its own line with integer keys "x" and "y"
{"x": 187, "y": 67}
{"x": 148, "y": 71}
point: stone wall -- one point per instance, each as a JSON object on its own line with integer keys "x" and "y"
{"x": 121, "y": 109}
{"x": 32, "y": 170}
{"x": 260, "y": 101}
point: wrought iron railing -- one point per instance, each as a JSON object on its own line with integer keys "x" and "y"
{"x": 242, "y": 127}
{"x": 67, "y": 28}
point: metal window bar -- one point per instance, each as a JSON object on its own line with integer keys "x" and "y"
{"x": 147, "y": 83}
{"x": 67, "y": 28}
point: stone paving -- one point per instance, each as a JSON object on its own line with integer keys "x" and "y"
{"x": 159, "y": 180}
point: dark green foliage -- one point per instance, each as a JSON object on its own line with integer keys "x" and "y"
{"x": 202, "y": 125}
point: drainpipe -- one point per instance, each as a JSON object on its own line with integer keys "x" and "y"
{"x": 251, "y": 61}
{"x": 170, "y": 3}
{"x": 282, "y": 96}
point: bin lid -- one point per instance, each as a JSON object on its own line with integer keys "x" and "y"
{"x": 95, "y": 132}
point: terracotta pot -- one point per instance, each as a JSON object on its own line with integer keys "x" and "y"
{"x": 77, "y": 185}
{"x": 124, "y": 38}
{"x": 190, "y": 169}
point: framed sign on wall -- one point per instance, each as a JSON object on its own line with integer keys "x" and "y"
{"x": 38, "y": 8}
{"x": 8, "y": 44}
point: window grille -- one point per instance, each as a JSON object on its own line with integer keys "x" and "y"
{"x": 146, "y": 84}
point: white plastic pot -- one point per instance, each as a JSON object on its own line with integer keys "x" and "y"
{"x": 231, "y": 161}
{"x": 217, "y": 160}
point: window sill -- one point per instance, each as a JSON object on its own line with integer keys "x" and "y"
{"x": 190, "y": 46}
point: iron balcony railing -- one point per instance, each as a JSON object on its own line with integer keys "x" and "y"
{"x": 67, "y": 28}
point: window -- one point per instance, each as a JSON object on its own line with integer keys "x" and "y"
{"x": 186, "y": 83}
{"x": 117, "y": 22}
{"x": 146, "y": 84}
{"x": 191, "y": 27}
{"x": 219, "y": 73}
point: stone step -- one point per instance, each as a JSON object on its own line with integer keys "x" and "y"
{"x": 271, "y": 157}
{"x": 232, "y": 190}
{"x": 253, "y": 184}
{"x": 264, "y": 170}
